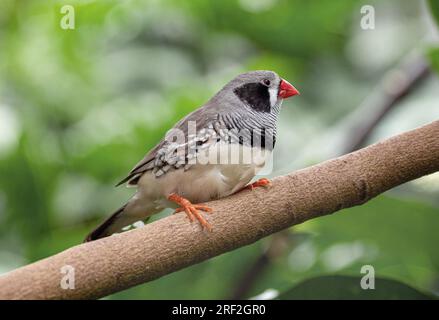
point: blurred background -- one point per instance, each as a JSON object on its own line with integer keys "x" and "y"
{"x": 78, "y": 108}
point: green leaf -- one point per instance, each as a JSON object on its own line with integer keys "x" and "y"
{"x": 348, "y": 287}
{"x": 434, "y": 7}
{"x": 433, "y": 55}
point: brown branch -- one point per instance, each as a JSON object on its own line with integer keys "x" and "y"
{"x": 170, "y": 244}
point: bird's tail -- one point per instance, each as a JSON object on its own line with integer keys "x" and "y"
{"x": 113, "y": 224}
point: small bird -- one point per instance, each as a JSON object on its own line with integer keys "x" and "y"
{"x": 213, "y": 152}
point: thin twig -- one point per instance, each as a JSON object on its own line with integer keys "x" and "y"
{"x": 394, "y": 87}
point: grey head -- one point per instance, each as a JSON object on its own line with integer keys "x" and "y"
{"x": 250, "y": 104}
{"x": 256, "y": 91}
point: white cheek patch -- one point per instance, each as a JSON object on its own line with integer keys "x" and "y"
{"x": 273, "y": 96}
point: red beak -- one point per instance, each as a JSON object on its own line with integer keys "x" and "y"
{"x": 287, "y": 90}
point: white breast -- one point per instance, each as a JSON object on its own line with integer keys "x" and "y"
{"x": 219, "y": 171}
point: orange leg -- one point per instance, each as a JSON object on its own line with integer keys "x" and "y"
{"x": 263, "y": 182}
{"x": 191, "y": 210}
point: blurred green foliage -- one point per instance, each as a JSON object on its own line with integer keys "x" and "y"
{"x": 434, "y": 6}
{"x": 434, "y": 53}
{"x": 78, "y": 108}
{"x": 346, "y": 287}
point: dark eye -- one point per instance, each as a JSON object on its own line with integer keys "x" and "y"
{"x": 266, "y": 82}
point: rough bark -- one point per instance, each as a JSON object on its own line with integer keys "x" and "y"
{"x": 128, "y": 259}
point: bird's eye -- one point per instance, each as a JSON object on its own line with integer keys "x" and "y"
{"x": 266, "y": 82}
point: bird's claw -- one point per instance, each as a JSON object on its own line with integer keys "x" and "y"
{"x": 196, "y": 206}
{"x": 191, "y": 210}
{"x": 263, "y": 182}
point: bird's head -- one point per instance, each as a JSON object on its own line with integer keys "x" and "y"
{"x": 261, "y": 90}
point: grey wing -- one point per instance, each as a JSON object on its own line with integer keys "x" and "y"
{"x": 158, "y": 156}
{"x": 147, "y": 163}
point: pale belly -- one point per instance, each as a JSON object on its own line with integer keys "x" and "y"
{"x": 202, "y": 182}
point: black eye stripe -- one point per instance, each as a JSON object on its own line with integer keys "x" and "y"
{"x": 256, "y": 95}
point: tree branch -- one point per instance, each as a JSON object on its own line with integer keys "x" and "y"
{"x": 393, "y": 88}
{"x": 115, "y": 263}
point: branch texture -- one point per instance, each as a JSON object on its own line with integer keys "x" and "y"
{"x": 115, "y": 263}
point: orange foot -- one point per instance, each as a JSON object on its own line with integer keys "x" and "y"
{"x": 263, "y": 182}
{"x": 191, "y": 210}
